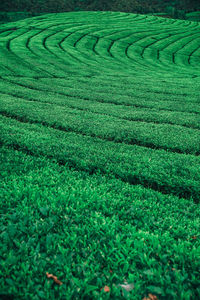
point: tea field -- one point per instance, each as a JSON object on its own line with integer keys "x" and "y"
{"x": 100, "y": 166}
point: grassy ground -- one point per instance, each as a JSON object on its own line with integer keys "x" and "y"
{"x": 100, "y": 159}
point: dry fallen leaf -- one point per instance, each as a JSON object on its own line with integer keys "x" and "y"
{"x": 106, "y": 289}
{"x": 150, "y": 297}
{"x": 54, "y": 278}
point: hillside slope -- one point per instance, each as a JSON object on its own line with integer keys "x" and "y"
{"x": 100, "y": 158}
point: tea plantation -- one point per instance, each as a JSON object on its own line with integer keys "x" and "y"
{"x": 100, "y": 166}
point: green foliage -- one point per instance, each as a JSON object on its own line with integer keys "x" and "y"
{"x": 81, "y": 227}
{"x": 15, "y": 16}
{"x": 145, "y": 6}
{"x": 175, "y": 13}
{"x": 100, "y": 166}
{"x": 193, "y": 16}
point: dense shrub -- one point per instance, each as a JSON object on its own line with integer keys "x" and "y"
{"x": 146, "y": 6}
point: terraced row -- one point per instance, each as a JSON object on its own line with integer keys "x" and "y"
{"x": 110, "y": 78}
{"x": 82, "y": 41}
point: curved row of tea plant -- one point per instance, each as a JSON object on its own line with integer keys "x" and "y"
{"x": 83, "y": 40}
